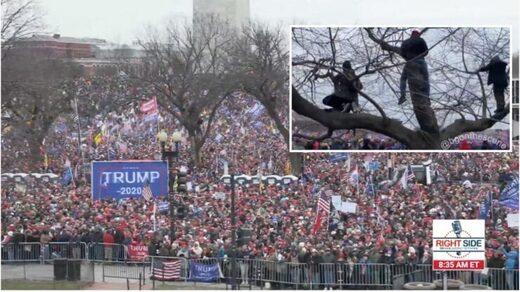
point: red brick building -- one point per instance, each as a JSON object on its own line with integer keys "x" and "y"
{"x": 57, "y": 47}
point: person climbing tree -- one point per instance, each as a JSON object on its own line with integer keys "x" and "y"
{"x": 498, "y": 77}
{"x": 415, "y": 73}
{"x": 346, "y": 87}
{"x": 413, "y": 51}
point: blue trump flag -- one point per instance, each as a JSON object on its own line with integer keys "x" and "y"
{"x": 485, "y": 207}
{"x": 338, "y": 157}
{"x": 204, "y": 273}
{"x": 370, "y": 189}
{"x": 374, "y": 165}
{"x": 509, "y": 196}
{"x": 126, "y": 179}
{"x": 67, "y": 176}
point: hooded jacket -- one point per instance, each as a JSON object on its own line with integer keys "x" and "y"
{"x": 497, "y": 72}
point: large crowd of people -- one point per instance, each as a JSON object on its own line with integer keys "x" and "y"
{"x": 391, "y": 225}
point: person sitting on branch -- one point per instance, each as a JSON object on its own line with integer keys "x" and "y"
{"x": 346, "y": 88}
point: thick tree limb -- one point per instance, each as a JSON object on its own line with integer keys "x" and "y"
{"x": 460, "y": 126}
{"x": 319, "y": 138}
{"x": 335, "y": 120}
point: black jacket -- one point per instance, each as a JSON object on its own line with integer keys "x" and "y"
{"x": 413, "y": 47}
{"x": 345, "y": 88}
{"x": 497, "y": 72}
{"x": 119, "y": 237}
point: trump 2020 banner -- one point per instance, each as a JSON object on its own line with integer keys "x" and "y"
{"x": 126, "y": 179}
{"x": 459, "y": 245}
{"x": 204, "y": 273}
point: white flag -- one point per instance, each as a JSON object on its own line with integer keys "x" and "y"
{"x": 404, "y": 178}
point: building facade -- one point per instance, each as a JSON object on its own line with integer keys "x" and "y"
{"x": 56, "y": 46}
{"x": 93, "y": 55}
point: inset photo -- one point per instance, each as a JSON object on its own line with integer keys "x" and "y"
{"x": 400, "y": 88}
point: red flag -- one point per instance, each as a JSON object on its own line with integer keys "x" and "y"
{"x": 149, "y": 107}
{"x": 317, "y": 224}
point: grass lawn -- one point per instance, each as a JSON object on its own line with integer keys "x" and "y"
{"x": 42, "y": 285}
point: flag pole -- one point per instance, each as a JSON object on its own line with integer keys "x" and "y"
{"x": 79, "y": 126}
{"x": 154, "y": 217}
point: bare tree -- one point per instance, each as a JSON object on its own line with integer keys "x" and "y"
{"x": 260, "y": 62}
{"x": 186, "y": 69}
{"x": 453, "y": 57}
{"x": 33, "y": 97}
{"x": 20, "y": 19}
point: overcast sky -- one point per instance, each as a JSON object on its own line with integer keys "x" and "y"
{"x": 122, "y": 21}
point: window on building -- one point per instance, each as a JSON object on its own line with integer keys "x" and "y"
{"x": 516, "y": 114}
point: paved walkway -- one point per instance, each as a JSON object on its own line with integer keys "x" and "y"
{"x": 45, "y": 272}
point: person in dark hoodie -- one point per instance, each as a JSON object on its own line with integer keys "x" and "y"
{"x": 413, "y": 51}
{"x": 97, "y": 239}
{"x": 495, "y": 262}
{"x": 498, "y": 77}
{"x": 346, "y": 88}
{"x": 119, "y": 237}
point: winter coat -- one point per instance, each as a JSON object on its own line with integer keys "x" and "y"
{"x": 344, "y": 87}
{"x": 413, "y": 47}
{"x": 109, "y": 239}
{"x": 497, "y": 72}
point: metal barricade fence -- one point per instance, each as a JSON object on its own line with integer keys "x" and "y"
{"x": 258, "y": 271}
{"x": 111, "y": 252}
{"x": 70, "y": 250}
{"x": 275, "y": 272}
{"x": 225, "y": 266}
{"x": 498, "y": 279}
{"x": 350, "y": 276}
{"x": 135, "y": 270}
{"x": 23, "y": 251}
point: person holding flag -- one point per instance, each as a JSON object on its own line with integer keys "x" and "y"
{"x": 322, "y": 211}
{"x": 509, "y": 196}
{"x": 148, "y": 196}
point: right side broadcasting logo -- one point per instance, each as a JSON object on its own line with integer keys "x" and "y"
{"x": 458, "y": 245}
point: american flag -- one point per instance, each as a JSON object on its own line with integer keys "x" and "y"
{"x": 323, "y": 204}
{"x": 147, "y": 191}
{"x": 323, "y": 210}
{"x": 167, "y": 270}
{"x": 411, "y": 174}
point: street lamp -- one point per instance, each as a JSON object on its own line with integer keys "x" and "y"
{"x": 176, "y": 137}
{"x": 245, "y": 179}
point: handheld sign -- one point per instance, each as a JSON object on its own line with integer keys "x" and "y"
{"x": 126, "y": 179}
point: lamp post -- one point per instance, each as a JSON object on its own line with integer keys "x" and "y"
{"x": 232, "y": 180}
{"x": 233, "y": 237}
{"x": 176, "y": 137}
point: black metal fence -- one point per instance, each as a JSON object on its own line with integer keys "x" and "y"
{"x": 35, "y": 262}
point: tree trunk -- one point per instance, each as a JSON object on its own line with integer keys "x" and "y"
{"x": 271, "y": 111}
{"x": 294, "y": 158}
{"x": 196, "y": 146}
